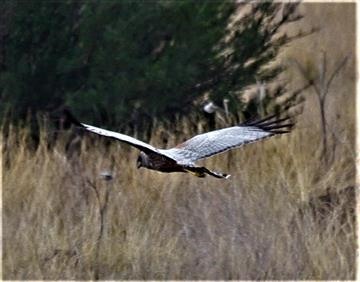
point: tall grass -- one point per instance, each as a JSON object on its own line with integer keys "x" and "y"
{"x": 257, "y": 225}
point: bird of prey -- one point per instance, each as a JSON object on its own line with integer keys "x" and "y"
{"x": 182, "y": 157}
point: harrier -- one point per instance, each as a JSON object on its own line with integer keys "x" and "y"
{"x": 182, "y": 157}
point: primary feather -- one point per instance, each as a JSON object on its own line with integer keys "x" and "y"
{"x": 218, "y": 141}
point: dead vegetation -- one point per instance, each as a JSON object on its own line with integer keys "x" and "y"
{"x": 284, "y": 214}
{"x": 62, "y": 220}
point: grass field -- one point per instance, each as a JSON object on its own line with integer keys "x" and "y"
{"x": 283, "y": 214}
{"x": 61, "y": 220}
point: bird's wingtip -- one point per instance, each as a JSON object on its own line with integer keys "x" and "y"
{"x": 70, "y": 117}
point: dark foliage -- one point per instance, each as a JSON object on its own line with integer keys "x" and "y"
{"x": 125, "y": 63}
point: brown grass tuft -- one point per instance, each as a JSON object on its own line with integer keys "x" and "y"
{"x": 263, "y": 223}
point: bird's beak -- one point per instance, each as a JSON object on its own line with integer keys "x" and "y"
{"x": 139, "y": 165}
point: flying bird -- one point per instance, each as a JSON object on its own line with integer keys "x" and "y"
{"x": 182, "y": 157}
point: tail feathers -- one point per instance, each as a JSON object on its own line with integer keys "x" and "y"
{"x": 196, "y": 172}
{"x": 202, "y": 171}
{"x": 218, "y": 174}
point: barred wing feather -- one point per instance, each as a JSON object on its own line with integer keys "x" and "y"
{"x": 218, "y": 141}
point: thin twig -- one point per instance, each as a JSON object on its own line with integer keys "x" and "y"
{"x": 336, "y": 71}
{"x": 101, "y": 210}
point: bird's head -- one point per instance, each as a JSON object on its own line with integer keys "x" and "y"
{"x": 142, "y": 160}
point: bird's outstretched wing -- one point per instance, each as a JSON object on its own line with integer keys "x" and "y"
{"x": 214, "y": 142}
{"x": 142, "y": 146}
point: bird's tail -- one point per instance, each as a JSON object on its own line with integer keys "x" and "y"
{"x": 202, "y": 171}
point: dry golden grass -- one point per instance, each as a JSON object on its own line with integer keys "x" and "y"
{"x": 257, "y": 225}
{"x": 266, "y": 222}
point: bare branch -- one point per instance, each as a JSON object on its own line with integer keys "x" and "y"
{"x": 302, "y": 71}
{"x": 307, "y": 77}
{"x": 336, "y": 71}
{"x": 322, "y": 81}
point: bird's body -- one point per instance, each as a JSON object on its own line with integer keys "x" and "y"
{"x": 182, "y": 158}
{"x": 158, "y": 162}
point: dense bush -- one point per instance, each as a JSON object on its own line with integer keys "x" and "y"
{"x": 127, "y": 62}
